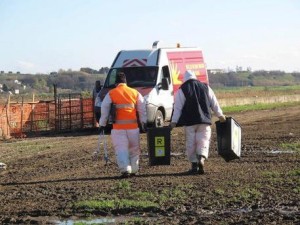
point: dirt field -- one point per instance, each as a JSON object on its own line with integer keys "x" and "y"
{"x": 48, "y": 176}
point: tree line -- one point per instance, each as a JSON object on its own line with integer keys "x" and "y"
{"x": 255, "y": 78}
{"x": 84, "y": 80}
{"x": 65, "y": 81}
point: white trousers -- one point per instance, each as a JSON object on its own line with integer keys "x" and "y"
{"x": 127, "y": 149}
{"x": 197, "y": 140}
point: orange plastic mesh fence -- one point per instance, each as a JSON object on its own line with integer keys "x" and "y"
{"x": 19, "y": 118}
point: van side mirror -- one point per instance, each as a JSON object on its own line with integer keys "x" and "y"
{"x": 165, "y": 84}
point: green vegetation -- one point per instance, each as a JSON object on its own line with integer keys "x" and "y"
{"x": 228, "y": 92}
{"x": 296, "y": 190}
{"x": 114, "y": 204}
{"x": 219, "y": 191}
{"x": 138, "y": 200}
{"x": 249, "y": 193}
{"x": 255, "y": 78}
{"x": 42, "y": 85}
{"x": 83, "y": 81}
{"x": 30, "y": 146}
{"x": 271, "y": 174}
{"x": 291, "y": 146}
{"x": 294, "y": 172}
{"x": 173, "y": 195}
{"x": 123, "y": 185}
{"x": 11, "y": 148}
{"x": 259, "y": 106}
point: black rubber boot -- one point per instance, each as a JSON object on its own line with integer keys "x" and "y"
{"x": 124, "y": 175}
{"x": 194, "y": 168}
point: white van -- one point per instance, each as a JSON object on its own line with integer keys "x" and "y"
{"x": 157, "y": 74}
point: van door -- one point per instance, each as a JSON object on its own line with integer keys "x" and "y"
{"x": 166, "y": 94}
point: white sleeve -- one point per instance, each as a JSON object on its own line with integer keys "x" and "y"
{"x": 141, "y": 108}
{"x": 105, "y": 108}
{"x": 214, "y": 104}
{"x": 178, "y": 105}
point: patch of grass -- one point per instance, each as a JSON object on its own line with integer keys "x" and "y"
{"x": 273, "y": 174}
{"x": 123, "y": 185}
{"x": 219, "y": 191}
{"x": 249, "y": 193}
{"x": 296, "y": 190}
{"x": 259, "y": 106}
{"x": 256, "y": 91}
{"x": 29, "y": 146}
{"x": 93, "y": 204}
{"x": 142, "y": 195}
{"x": 294, "y": 172}
{"x": 175, "y": 194}
{"x": 236, "y": 183}
{"x": 291, "y": 146}
{"x": 114, "y": 204}
{"x": 135, "y": 221}
{"x": 233, "y": 183}
{"x": 186, "y": 186}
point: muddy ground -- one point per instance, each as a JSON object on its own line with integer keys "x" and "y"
{"x": 47, "y": 176}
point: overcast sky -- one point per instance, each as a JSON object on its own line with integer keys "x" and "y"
{"x": 40, "y": 36}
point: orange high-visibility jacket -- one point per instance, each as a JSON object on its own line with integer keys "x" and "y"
{"x": 125, "y": 100}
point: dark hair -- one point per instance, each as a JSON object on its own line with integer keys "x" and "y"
{"x": 120, "y": 78}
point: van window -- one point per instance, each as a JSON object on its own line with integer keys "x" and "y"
{"x": 135, "y": 76}
{"x": 166, "y": 73}
{"x": 112, "y": 78}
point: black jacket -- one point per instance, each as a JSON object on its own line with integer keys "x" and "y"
{"x": 196, "y": 109}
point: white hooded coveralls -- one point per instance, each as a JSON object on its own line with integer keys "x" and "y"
{"x": 126, "y": 142}
{"x": 197, "y": 136}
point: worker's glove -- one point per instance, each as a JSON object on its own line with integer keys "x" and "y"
{"x": 172, "y": 125}
{"x": 101, "y": 129}
{"x": 144, "y": 127}
{"x": 3, "y": 166}
{"x": 95, "y": 155}
{"x": 222, "y": 119}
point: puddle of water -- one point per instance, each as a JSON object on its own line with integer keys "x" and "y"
{"x": 281, "y": 151}
{"x": 276, "y": 151}
{"x": 103, "y": 220}
{"x": 90, "y": 221}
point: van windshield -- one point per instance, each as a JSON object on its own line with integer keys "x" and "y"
{"x": 135, "y": 76}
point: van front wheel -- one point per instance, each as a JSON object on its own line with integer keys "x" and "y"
{"x": 159, "y": 119}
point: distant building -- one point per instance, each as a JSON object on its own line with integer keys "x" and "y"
{"x": 17, "y": 82}
{"x": 215, "y": 71}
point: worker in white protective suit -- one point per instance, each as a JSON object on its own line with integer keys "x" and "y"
{"x": 192, "y": 109}
{"x": 125, "y": 133}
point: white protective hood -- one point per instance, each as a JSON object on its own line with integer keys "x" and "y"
{"x": 189, "y": 74}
